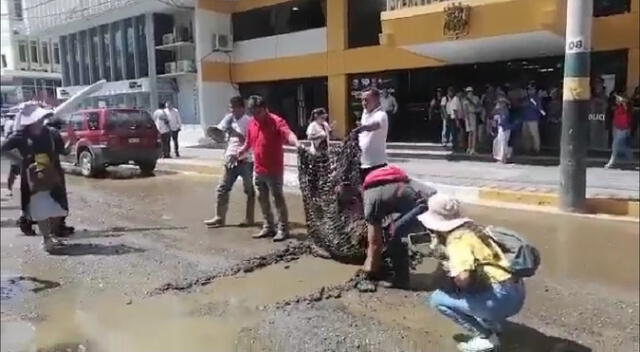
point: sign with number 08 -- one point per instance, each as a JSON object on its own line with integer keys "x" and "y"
{"x": 576, "y": 45}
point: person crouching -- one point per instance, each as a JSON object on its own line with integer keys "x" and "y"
{"x": 478, "y": 297}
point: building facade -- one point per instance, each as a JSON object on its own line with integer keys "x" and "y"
{"x": 304, "y": 54}
{"x": 143, "y": 49}
{"x": 30, "y": 65}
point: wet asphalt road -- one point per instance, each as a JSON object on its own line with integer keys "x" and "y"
{"x": 136, "y": 234}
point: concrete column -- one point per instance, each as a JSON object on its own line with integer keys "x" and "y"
{"x": 136, "y": 46}
{"x": 101, "y": 53}
{"x": 338, "y": 108}
{"x": 83, "y": 57}
{"x": 123, "y": 52}
{"x": 64, "y": 62}
{"x": 337, "y": 84}
{"x": 90, "y": 55}
{"x": 151, "y": 60}
{"x": 575, "y": 106}
{"x": 633, "y": 70}
{"x": 112, "y": 51}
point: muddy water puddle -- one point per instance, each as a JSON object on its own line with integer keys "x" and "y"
{"x": 208, "y": 319}
{"x": 600, "y": 252}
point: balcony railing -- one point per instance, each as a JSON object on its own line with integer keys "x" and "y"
{"x": 402, "y": 4}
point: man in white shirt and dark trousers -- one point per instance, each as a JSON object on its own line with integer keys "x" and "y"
{"x": 372, "y": 133}
{"x": 175, "y": 124}
{"x": 235, "y": 125}
{"x": 162, "y": 124}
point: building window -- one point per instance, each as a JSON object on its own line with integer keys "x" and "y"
{"x": 22, "y": 52}
{"x": 364, "y": 22}
{"x": 106, "y": 50}
{"x": 34, "y": 51}
{"x": 610, "y": 7}
{"x": 4, "y": 61}
{"x": 56, "y": 53}
{"x": 142, "y": 47}
{"x": 291, "y": 16}
{"x": 130, "y": 59}
{"x": 117, "y": 31}
{"x": 17, "y": 10}
{"x": 95, "y": 60}
{"x": 45, "y": 53}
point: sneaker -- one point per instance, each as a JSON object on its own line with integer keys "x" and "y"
{"x": 608, "y": 166}
{"x": 480, "y": 344}
{"x": 215, "y": 222}
{"x": 280, "y": 236}
{"x": 265, "y": 232}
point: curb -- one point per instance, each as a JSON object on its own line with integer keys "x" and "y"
{"x": 467, "y": 194}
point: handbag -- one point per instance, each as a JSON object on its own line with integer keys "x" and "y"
{"x": 44, "y": 178}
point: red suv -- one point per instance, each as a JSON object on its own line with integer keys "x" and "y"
{"x": 112, "y": 137}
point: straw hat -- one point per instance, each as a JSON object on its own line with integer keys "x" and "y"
{"x": 443, "y": 214}
{"x": 32, "y": 113}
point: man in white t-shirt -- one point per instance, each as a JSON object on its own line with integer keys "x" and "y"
{"x": 372, "y": 133}
{"x": 162, "y": 123}
{"x": 175, "y": 124}
{"x": 235, "y": 125}
{"x": 452, "y": 107}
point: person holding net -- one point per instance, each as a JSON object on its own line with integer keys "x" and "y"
{"x": 391, "y": 203}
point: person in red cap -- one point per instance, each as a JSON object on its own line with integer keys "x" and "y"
{"x": 387, "y": 191}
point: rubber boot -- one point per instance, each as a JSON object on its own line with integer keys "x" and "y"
{"x": 399, "y": 255}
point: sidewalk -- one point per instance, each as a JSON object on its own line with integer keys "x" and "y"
{"x": 612, "y": 191}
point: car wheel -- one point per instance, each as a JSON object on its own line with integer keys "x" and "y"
{"x": 147, "y": 167}
{"x": 87, "y": 164}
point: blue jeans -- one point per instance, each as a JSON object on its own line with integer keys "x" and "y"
{"x": 620, "y": 145}
{"x": 481, "y": 313}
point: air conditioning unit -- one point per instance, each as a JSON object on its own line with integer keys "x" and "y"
{"x": 186, "y": 66}
{"x": 168, "y": 38}
{"x": 170, "y": 67}
{"x": 222, "y": 42}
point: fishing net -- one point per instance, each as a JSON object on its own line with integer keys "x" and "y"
{"x": 339, "y": 233}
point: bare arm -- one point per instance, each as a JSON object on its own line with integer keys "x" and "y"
{"x": 368, "y": 127}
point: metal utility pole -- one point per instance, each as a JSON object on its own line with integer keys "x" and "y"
{"x": 575, "y": 106}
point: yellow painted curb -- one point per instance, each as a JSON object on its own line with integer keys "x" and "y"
{"x": 528, "y": 198}
{"x": 623, "y": 207}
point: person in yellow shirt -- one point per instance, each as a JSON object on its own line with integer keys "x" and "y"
{"x": 481, "y": 292}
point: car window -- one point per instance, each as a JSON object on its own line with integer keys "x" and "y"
{"x": 77, "y": 122}
{"x": 129, "y": 120}
{"x": 93, "y": 120}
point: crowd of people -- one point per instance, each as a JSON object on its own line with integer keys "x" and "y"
{"x": 507, "y": 118}
{"x": 481, "y": 292}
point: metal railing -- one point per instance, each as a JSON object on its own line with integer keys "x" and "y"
{"x": 401, "y": 4}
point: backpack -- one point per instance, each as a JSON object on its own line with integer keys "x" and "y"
{"x": 523, "y": 257}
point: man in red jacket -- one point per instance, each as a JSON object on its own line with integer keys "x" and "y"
{"x": 266, "y": 135}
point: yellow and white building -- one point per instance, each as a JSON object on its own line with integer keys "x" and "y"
{"x": 399, "y": 41}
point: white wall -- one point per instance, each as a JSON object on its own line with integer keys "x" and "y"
{"x": 187, "y": 99}
{"x": 291, "y": 44}
{"x": 213, "y": 96}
